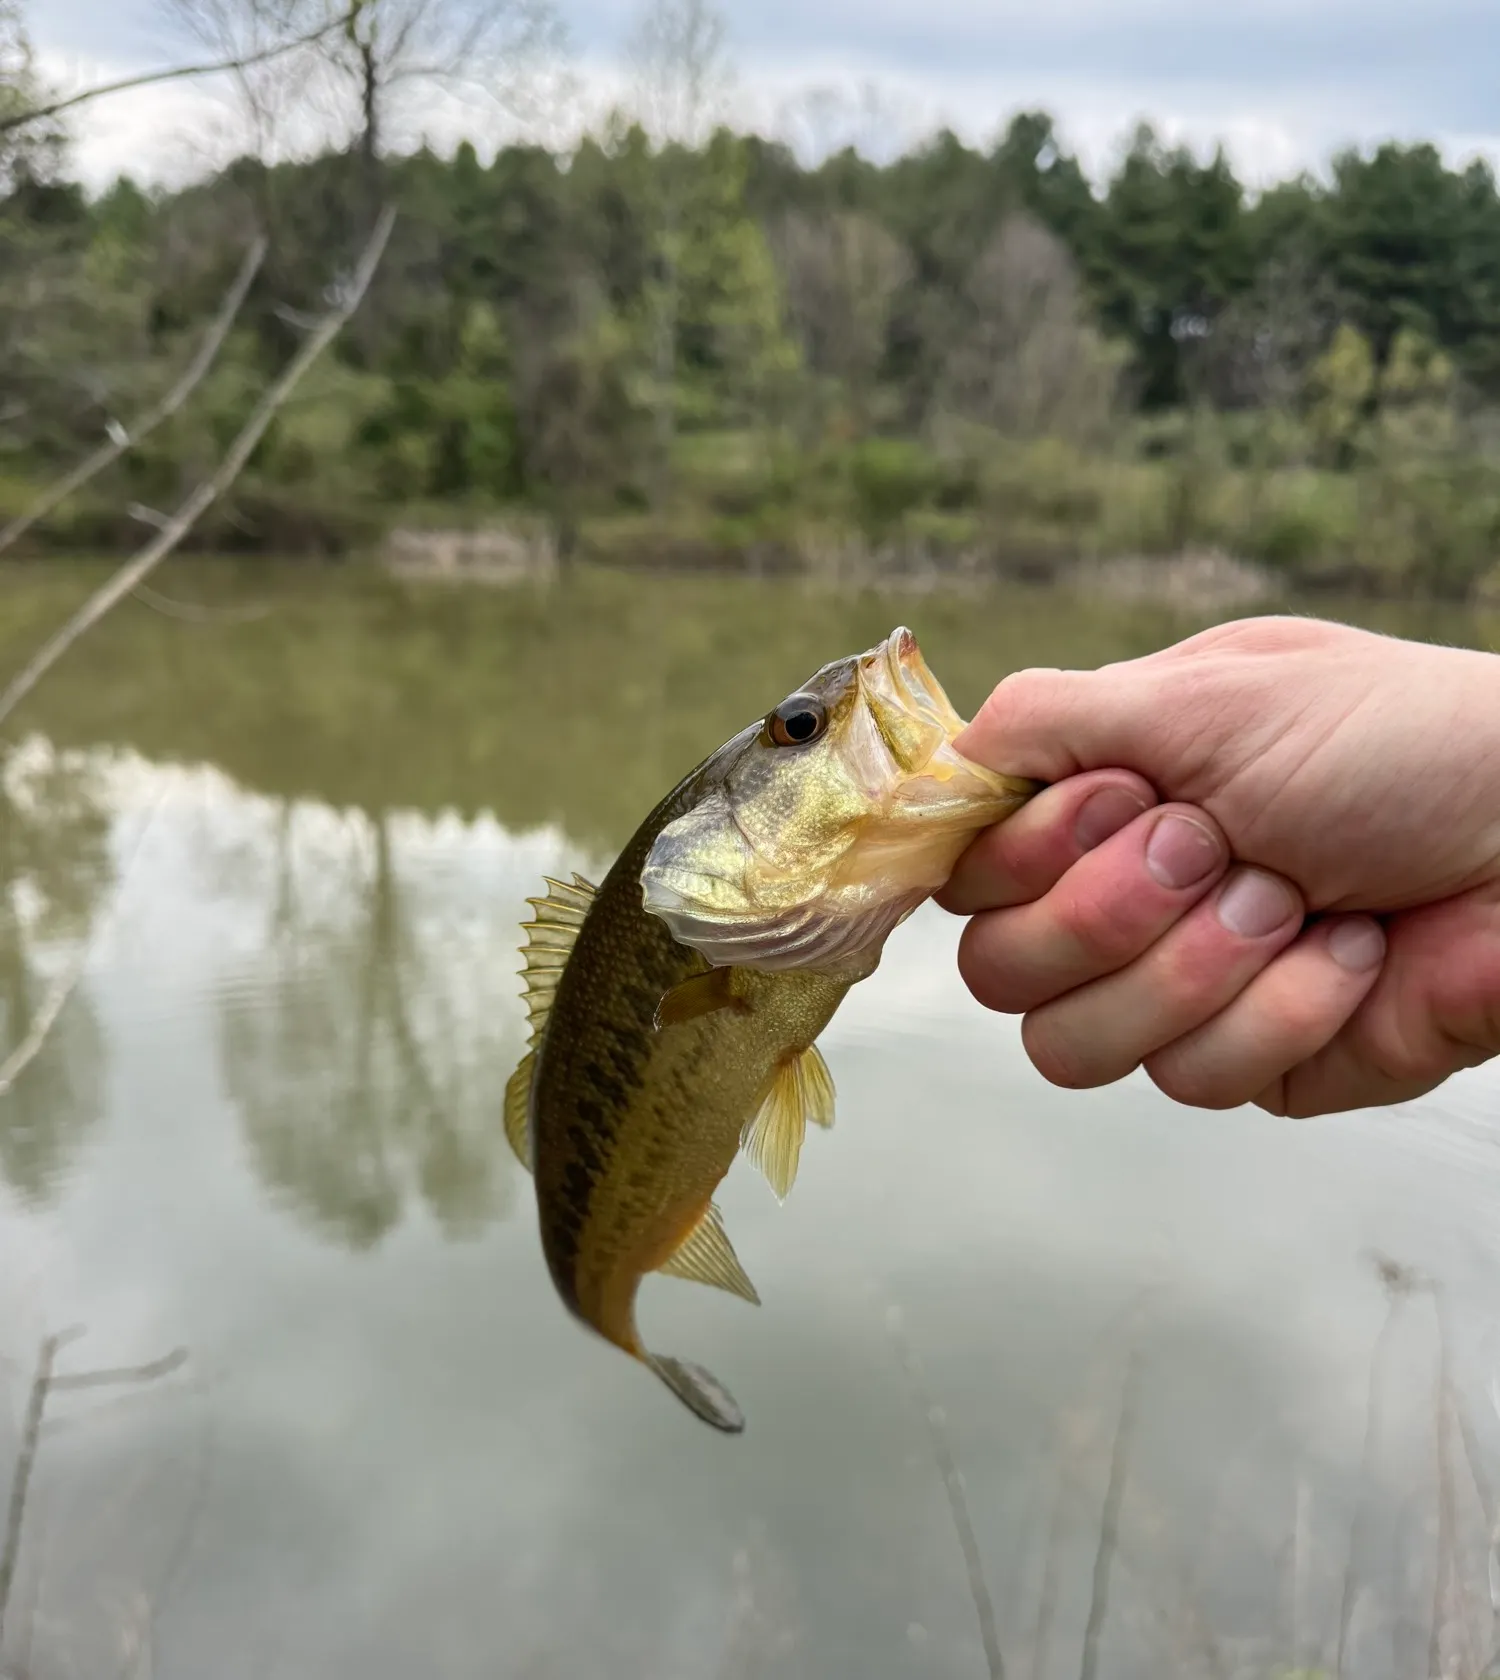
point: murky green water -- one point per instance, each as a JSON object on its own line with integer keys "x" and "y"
{"x": 289, "y": 840}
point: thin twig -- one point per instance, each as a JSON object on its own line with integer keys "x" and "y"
{"x": 25, "y": 1463}
{"x": 178, "y": 73}
{"x": 198, "y": 612}
{"x": 129, "y": 575}
{"x": 1109, "y": 1519}
{"x": 957, "y": 1503}
{"x": 108, "y": 1378}
{"x": 1301, "y": 1543}
{"x": 128, "y": 437}
{"x": 1046, "y": 1607}
{"x": 1397, "y": 1284}
{"x": 16, "y": 1063}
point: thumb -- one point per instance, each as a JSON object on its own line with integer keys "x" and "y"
{"x": 1049, "y": 724}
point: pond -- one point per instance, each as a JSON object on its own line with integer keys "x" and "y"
{"x": 284, "y": 836}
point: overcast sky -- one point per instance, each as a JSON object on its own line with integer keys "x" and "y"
{"x": 1281, "y": 82}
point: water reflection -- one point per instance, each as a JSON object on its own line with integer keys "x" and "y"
{"x": 366, "y": 1043}
{"x": 416, "y": 1464}
{"x": 55, "y": 869}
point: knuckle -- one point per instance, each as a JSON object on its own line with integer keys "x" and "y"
{"x": 1100, "y": 921}
{"x": 982, "y": 969}
{"x": 1191, "y": 1082}
{"x": 1060, "y": 1058}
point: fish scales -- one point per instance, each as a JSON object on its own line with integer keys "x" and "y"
{"x": 636, "y": 1128}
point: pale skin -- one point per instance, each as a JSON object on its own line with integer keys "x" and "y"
{"x": 1267, "y": 868}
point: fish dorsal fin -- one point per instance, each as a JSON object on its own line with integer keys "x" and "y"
{"x": 707, "y": 1256}
{"x": 801, "y": 1090}
{"x": 550, "y": 936}
{"x": 517, "y": 1095}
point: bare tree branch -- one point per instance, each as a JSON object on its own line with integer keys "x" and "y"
{"x": 193, "y": 509}
{"x": 20, "y": 1485}
{"x": 177, "y": 73}
{"x": 127, "y": 437}
{"x": 153, "y": 1371}
{"x": 953, "y": 1486}
{"x": 1109, "y": 1520}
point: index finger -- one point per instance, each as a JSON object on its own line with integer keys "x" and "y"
{"x": 1025, "y": 856}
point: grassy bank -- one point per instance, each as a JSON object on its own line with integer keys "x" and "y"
{"x": 1412, "y": 509}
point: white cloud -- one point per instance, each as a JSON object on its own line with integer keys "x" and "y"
{"x": 1283, "y": 83}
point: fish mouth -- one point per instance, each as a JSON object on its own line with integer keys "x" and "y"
{"x": 912, "y": 713}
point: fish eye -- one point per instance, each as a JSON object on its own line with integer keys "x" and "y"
{"x": 797, "y": 720}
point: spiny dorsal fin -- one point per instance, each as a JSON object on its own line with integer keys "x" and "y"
{"x": 707, "y": 1256}
{"x": 549, "y": 941}
{"x": 801, "y": 1090}
{"x": 517, "y": 1127}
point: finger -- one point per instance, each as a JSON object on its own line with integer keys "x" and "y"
{"x": 1052, "y": 725}
{"x": 1025, "y": 856}
{"x": 1289, "y": 1012}
{"x": 1434, "y": 1011}
{"x": 1109, "y": 908}
{"x": 1104, "y": 1030}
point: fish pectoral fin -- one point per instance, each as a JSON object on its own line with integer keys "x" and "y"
{"x": 517, "y": 1093}
{"x": 702, "y": 994}
{"x": 706, "y": 1256}
{"x": 700, "y": 1391}
{"x": 801, "y": 1090}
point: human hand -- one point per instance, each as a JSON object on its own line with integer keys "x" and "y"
{"x": 1318, "y": 777}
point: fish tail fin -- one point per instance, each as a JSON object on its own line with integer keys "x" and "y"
{"x": 700, "y": 1391}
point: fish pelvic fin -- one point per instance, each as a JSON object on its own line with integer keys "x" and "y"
{"x": 517, "y": 1102}
{"x": 706, "y": 1255}
{"x": 700, "y": 1391}
{"x": 801, "y": 1090}
{"x": 550, "y": 936}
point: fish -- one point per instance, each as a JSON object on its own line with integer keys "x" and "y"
{"x": 674, "y": 1008}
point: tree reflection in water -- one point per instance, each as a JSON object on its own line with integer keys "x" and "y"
{"x": 55, "y": 868}
{"x": 368, "y": 1048}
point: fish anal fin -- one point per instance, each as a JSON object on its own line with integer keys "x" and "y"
{"x": 801, "y": 1090}
{"x": 697, "y": 996}
{"x": 706, "y": 1255}
{"x": 517, "y": 1094}
{"x": 550, "y": 936}
{"x": 700, "y": 1391}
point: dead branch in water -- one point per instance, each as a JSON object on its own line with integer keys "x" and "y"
{"x": 43, "y": 1384}
{"x": 1109, "y": 1519}
{"x": 1398, "y": 1282}
{"x": 197, "y": 504}
{"x": 123, "y": 438}
{"x": 957, "y": 1503}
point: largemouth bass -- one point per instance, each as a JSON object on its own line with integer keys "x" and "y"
{"x": 674, "y": 1009}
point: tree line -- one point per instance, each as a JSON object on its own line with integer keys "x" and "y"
{"x": 675, "y": 322}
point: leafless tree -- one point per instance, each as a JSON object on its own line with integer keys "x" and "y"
{"x": 1262, "y": 347}
{"x": 820, "y": 122}
{"x": 841, "y": 273}
{"x": 1030, "y": 362}
{"x": 17, "y": 114}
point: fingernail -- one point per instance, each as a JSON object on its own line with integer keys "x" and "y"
{"x": 1181, "y": 851}
{"x": 1253, "y": 903}
{"x": 1357, "y": 944}
{"x": 1106, "y": 813}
